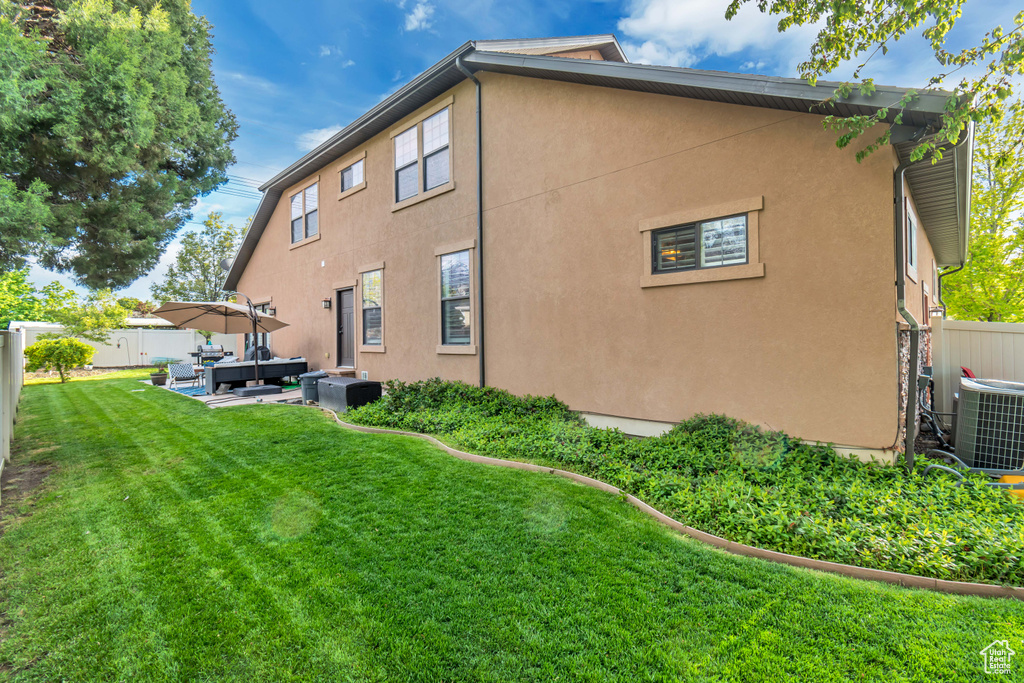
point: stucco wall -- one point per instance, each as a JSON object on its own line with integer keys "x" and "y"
{"x": 924, "y": 273}
{"x": 361, "y": 229}
{"x": 571, "y": 171}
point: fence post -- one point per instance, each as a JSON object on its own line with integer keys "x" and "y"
{"x": 940, "y": 365}
{"x": 6, "y": 411}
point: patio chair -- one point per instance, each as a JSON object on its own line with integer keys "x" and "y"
{"x": 184, "y": 372}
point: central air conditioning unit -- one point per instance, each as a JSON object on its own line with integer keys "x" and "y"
{"x": 990, "y": 425}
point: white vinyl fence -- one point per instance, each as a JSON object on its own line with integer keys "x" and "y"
{"x": 135, "y": 346}
{"x": 11, "y": 379}
{"x": 990, "y": 350}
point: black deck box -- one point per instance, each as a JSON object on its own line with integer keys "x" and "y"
{"x": 341, "y": 393}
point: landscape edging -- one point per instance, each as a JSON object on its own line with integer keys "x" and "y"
{"x": 881, "y": 575}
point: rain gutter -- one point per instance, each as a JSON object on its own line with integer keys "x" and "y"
{"x": 479, "y": 220}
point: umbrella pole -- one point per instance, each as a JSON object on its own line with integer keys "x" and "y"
{"x": 255, "y": 346}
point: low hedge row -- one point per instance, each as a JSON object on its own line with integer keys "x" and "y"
{"x": 736, "y": 481}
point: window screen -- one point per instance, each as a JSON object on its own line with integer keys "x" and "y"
{"x": 723, "y": 242}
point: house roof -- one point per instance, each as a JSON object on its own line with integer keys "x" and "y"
{"x": 606, "y": 44}
{"x": 941, "y": 191}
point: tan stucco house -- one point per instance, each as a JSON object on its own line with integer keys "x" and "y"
{"x": 643, "y": 242}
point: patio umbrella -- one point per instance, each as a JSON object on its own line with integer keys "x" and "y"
{"x": 225, "y": 317}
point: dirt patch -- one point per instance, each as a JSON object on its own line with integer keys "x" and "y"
{"x": 77, "y": 372}
{"x": 18, "y": 482}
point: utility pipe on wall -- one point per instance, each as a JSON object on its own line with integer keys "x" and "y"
{"x": 479, "y": 220}
{"x": 939, "y": 293}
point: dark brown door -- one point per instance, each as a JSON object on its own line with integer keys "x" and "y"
{"x": 346, "y": 329}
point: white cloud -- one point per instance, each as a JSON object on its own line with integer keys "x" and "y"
{"x": 419, "y": 18}
{"x": 683, "y": 32}
{"x": 249, "y": 82}
{"x": 656, "y": 52}
{"x": 753, "y": 66}
{"x": 333, "y": 51}
{"x": 312, "y": 138}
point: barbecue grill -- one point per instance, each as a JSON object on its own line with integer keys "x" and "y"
{"x": 214, "y": 352}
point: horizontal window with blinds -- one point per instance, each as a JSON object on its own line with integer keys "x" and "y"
{"x": 707, "y": 244}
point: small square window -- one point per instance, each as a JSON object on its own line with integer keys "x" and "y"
{"x": 352, "y": 176}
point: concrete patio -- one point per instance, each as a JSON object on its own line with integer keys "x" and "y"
{"x": 229, "y": 399}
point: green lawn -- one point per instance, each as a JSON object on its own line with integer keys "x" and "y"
{"x": 175, "y": 542}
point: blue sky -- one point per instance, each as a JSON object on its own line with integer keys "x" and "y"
{"x": 295, "y": 73}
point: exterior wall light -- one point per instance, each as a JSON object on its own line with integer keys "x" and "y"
{"x": 272, "y": 312}
{"x": 327, "y": 303}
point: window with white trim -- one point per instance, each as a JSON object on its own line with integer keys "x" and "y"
{"x": 436, "y": 163}
{"x": 704, "y": 244}
{"x": 434, "y": 156}
{"x": 456, "y": 306}
{"x": 352, "y": 176}
{"x": 406, "y": 164}
{"x": 911, "y": 239}
{"x": 373, "y": 307}
{"x": 304, "y": 213}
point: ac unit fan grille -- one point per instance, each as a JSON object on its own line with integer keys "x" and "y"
{"x": 990, "y": 428}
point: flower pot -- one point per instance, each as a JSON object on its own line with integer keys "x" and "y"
{"x": 158, "y": 378}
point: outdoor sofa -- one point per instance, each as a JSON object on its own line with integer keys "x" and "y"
{"x": 237, "y": 374}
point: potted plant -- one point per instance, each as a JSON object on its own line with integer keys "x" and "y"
{"x": 159, "y": 378}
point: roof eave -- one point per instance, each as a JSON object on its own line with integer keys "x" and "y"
{"x": 650, "y": 78}
{"x": 411, "y": 87}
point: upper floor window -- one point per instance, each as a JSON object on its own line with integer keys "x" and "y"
{"x": 436, "y": 166}
{"x": 433, "y": 156}
{"x": 304, "y": 213}
{"x": 911, "y": 239}
{"x": 352, "y": 176}
{"x": 406, "y": 164}
{"x": 706, "y": 244}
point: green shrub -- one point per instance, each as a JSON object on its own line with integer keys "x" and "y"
{"x": 58, "y": 354}
{"x": 728, "y": 478}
